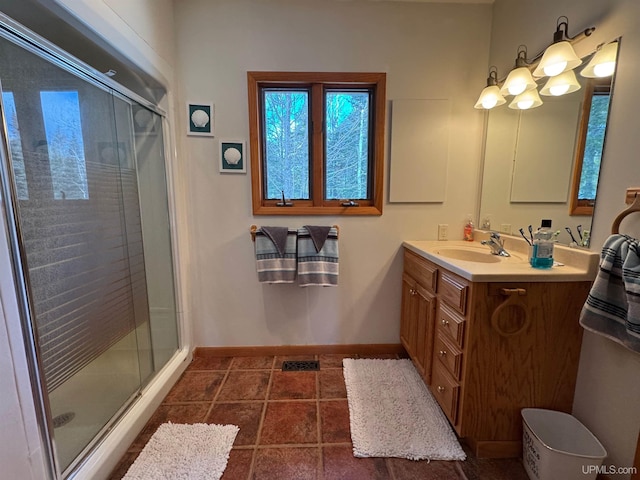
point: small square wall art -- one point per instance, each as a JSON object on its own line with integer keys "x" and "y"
{"x": 232, "y": 156}
{"x": 200, "y": 116}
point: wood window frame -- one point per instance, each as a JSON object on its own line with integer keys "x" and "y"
{"x": 579, "y": 207}
{"x": 318, "y": 81}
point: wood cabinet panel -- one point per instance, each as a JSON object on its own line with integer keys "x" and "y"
{"x": 423, "y": 271}
{"x": 453, "y": 290}
{"x": 448, "y": 354}
{"x": 452, "y": 323}
{"x": 446, "y": 391}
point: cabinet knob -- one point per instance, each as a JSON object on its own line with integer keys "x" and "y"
{"x": 413, "y": 292}
{"x": 440, "y": 388}
{"x": 443, "y": 353}
{"x": 444, "y": 322}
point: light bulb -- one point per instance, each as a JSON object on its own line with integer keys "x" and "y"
{"x": 558, "y": 90}
{"x": 525, "y": 104}
{"x": 604, "y": 69}
{"x": 555, "y": 69}
{"x": 489, "y": 102}
{"x": 516, "y": 88}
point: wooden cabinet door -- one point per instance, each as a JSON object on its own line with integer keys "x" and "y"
{"x": 425, "y": 330}
{"x": 408, "y": 315}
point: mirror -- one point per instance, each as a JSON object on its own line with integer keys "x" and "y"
{"x": 533, "y": 161}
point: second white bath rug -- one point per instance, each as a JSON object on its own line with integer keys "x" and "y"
{"x": 393, "y": 414}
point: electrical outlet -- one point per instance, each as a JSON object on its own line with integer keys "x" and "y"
{"x": 505, "y": 228}
{"x": 443, "y": 231}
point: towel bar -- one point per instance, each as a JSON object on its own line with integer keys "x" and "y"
{"x": 253, "y": 229}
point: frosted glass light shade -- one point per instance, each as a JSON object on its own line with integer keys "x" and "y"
{"x": 557, "y": 58}
{"x": 519, "y": 80}
{"x": 526, "y": 100}
{"x": 489, "y": 98}
{"x": 561, "y": 84}
{"x": 603, "y": 62}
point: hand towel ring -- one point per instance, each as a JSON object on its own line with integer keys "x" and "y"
{"x": 513, "y": 300}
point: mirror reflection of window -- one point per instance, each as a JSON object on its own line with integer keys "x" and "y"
{"x": 61, "y": 115}
{"x": 15, "y": 144}
{"x": 590, "y": 146}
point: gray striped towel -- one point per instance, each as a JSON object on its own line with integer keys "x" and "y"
{"x": 612, "y": 308}
{"x": 317, "y": 266}
{"x": 274, "y": 263}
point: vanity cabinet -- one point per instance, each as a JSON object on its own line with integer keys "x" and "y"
{"x": 418, "y": 312}
{"x": 495, "y": 348}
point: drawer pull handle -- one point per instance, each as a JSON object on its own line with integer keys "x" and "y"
{"x": 444, "y": 322}
{"x": 440, "y": 389}
{"x": 443, "y": 353}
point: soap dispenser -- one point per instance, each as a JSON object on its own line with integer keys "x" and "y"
{"x": 468, "y": 229}
{"x": 542, "y": 248}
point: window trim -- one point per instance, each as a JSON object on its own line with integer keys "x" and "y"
{"x": 594, "y": 87}
{"x": 317, "y": 205}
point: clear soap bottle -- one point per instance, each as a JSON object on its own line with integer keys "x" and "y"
{"x": 542, "y": 248}
{"x": 468, "y": 229}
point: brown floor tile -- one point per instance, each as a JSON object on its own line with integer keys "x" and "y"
{"x": 210, "y": 363}
{"x": 333, "y": 360}
{"x": 289, "y": 422}
{"x": 286, "y": 464}
{"x": 195, "y": 387}
{"x": 291, "y": 385}
{"x": 244, "y": 415}
{"x": 340, "y": 464}
{"x": 435, "y": 470}
{"x": 252, "y": 362}
{"x": 494, "y": 468}
{"x": 123, "y": 466}
{"x": 334, "y": 421}
{"x": 192, "y": 413}
{"x": 245, "y": 386}
{"x": 238, "y": 465}
{"x": 332, "y": 384}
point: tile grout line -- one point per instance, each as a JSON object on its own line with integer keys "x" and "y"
{"x": 320, "y": 465}
{"x": 215, "y": 397}
{"x": 261, "y": 422}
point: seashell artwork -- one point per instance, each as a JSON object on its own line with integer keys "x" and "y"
{"x": 232, "y": 156}
{"x": 200, "y": 118}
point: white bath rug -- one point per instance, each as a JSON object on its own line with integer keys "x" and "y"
{"x": 393, "y": 414}
{"x": 184, "y": 452}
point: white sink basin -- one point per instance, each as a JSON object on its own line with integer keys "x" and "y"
{"x": 468, "y": 254}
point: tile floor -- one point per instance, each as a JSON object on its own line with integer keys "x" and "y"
{"x": 293, "y": 425}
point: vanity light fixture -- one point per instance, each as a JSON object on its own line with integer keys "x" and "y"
{"x": 526, "y": 100}
{"x": 560, "y": 56}
{"x": 519, "y": 79}
{"x": 561, "y": 84}
{"x": 603, "y": 62}
{"x": 490, "y": 96}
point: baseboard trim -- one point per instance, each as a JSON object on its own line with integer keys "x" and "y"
{"x": 282, "y": 350}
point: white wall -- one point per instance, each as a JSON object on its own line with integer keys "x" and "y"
{"x": 608, "y": 386}
{"x": 427, "y": 51}
{"x": 142, "y": 30}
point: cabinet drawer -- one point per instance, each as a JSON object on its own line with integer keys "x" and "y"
{"x": 448, "y": 354}
{"x": 446, "y": 391}
{"x": 453, "y": 290}
{"x": 423, "y": 271}
{"x": 452, "y": 323}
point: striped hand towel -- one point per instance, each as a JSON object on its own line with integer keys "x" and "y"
{"x": 317, "y": 265}
{"x": 612, "y": 308}
{"x": 276, "y": 255}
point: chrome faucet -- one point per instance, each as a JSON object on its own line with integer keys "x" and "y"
{"x": 496, "y": 244}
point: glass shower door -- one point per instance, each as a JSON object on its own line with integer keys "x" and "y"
{"x": 76, "y": 199}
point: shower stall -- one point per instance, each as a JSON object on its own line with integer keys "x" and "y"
{"x": 84, "y": 187}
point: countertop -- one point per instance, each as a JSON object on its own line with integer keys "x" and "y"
{"x": 577, "y": 264}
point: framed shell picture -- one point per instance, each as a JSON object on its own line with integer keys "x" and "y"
{"x": 232, "y": 156}
{"x": 200, "y": 117}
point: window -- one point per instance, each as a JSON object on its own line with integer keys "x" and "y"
{"x": 590, "y": 145}
{"x": 317, "y": 142}
{"x": 61, "y": 114}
